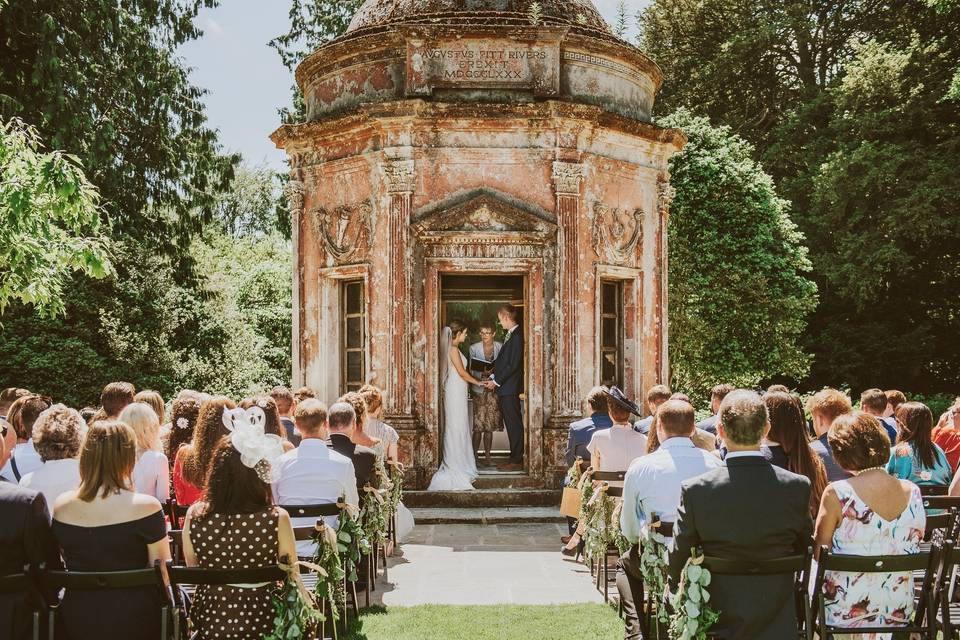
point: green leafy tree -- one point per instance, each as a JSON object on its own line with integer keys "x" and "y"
{"x": 250, "y": 207}
{"x": 51, "y": 222}
{"x": 739, "y": 296}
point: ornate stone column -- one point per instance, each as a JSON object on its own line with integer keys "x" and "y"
{"x": 567, "y": 177}
{"x": 400, "y": 184}
{"x": 295, "y": 193}
{"x": 665, "y": 195}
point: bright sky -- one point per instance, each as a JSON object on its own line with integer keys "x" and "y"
{"x": 244, "y": 77}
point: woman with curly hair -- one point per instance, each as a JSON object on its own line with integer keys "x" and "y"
{"x": 183, "y": 419}
{"x": 193, "y": 459}
{"x": 273, "y": 424}
{"x": 237, "y": 513}
{"x": 57, "y": 435}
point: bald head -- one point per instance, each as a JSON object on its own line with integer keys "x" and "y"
{"x": 743, "y": 418}
{"x": 676, "y": 418}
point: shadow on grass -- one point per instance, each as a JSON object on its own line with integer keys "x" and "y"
{"x": 354, "y": 630}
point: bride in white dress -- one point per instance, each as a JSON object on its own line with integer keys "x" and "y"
{"x": 459, "y": 467}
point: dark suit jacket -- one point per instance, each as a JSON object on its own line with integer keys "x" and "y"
{"x": 508, "y": 367}
{"x": 710, "y": 424}
{"x": 289, "y": 427}
{"x": 580, "y": 434}
{"x": 363, "y": 458}
{"x": 748, "y": 509}
{"x": 25, "y": 537}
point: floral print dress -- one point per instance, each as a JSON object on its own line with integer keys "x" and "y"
{"x": 872, "y": 599}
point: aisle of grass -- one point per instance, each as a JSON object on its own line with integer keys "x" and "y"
{"x": 498, "y": 622}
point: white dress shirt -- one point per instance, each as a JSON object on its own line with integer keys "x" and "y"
{"x": 27, "y": 460}
{"x": 313, "y": 473}
{"x": 151, "y": 475}
{"x": 617, "y": 446}
{"x": 53, "y": 478}
{"x": 652, "y": 484}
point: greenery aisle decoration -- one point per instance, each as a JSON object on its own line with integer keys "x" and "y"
{"x": 352, "y": 542}
{"x": 692, "y": 614}
{"x": 653, "y": 568}
{"x": 601, "y": 522}
{"x": 330, "y": 573}
{"x": 395, "y": 493}
{"x": 373, "y": 515}
{"x": 296, "y": 615}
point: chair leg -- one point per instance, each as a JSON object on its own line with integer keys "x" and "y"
{"x": 36, "y": 625}
{"x": 164, "y": 612}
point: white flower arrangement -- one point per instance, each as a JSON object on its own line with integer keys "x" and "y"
{"x": 183, "y": 423}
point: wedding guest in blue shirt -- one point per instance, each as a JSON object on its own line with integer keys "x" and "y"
{"x": 916, "y": 457}
{"x": 651, "y": 490}
{"x": 826, "y": 406}
{"x": 582, "y": 430}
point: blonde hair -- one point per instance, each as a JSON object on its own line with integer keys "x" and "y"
{"x": 107, "y": 459}
{"x": 829, "y": 403}
{"x": 155, "y": 400}
{"x": 141, "y": 417}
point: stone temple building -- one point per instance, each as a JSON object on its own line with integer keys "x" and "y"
{"x": 458, "y": 154}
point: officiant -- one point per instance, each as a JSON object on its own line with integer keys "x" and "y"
{"x": 486, "y": 408}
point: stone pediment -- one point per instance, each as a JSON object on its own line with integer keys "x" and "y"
{"x": 483, "y": 213}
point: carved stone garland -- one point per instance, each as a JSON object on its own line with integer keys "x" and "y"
{"x": 345, "y": 230}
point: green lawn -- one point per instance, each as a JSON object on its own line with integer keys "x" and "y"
{"x": 513, "y": 622}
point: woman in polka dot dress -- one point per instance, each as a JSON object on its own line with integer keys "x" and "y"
{"x": 236, "y": 526}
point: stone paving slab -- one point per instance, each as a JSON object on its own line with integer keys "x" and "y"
{"x": 485, "y": 564}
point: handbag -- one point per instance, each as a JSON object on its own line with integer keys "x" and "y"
{"x": 570, "y": 502}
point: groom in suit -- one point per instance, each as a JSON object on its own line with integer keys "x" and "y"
{"x": 508, "y": 381}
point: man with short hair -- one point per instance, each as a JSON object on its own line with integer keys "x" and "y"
{"x": 24, "y": 458}
{"x": 507, "y": 379}
{"x": 342, "y": 422}
{"x": 285, "y": 405}
{"x": 114, "y": 399}
{"x": 7, "y": 398}
{"x": 303, "y": 393}
{"x": 313, "y": 473}
{"x": 656, "y": 396}
{"x": 717, "y": 394}
{"x": 582, "y": 430}
{"x": 825, "y": 407}
{"x": 26, "y": 539}
{"x": 895, "y": 398}
{"x": 651, "y": 490}
{"x": 746, "y": 510}
{"x": 874, "y": 402}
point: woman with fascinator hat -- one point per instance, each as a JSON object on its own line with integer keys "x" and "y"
{"x": 236, "y": 526}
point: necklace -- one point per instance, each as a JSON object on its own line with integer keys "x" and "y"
{"x": 882, "y": 468}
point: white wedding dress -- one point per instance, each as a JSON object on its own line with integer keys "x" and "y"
{"x": 459, "y": 467}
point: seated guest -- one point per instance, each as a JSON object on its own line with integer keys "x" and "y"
{"x": 778, "y": 388}
{"x": 313, "y": 473}
{"x": 582, "y": 431}
{"x": 155, "y": 401}
{"x": 946, "y": 434}
{"x": 700, "y": 438}
{"x": 717, "y": 394}
{"x": 106, "y": 526}
{"x": 286, "y": 403}
{"x": 22, "y": 415}
{"x": 236, "y": 526}
{"x": 342, "y": 423}
{"x": 274, "y": 423}
{"x": 789, "y": 428}
{"x": 374, "y": 426}
{"x": 113, "y": 399}
{"x": 304, "y": 393}
{"x": 7, "y": 398}
{"x": 652, "y": 490}
{"x": 193, "y": 459}
{"x": 151, "y": 474}
{"x": 895, "y": 398}
{"x": 57, "y": 435}
{"x": 916, "y": 458}
{"x": 825, "y": 407}
{"x": 656, "y": 396}
{"x": 612, "y": 449}
{"x": 874, "y": 402}
{"x": 871, "y": 514}
{"x": 25, "y": 538}
{"x": 183, "y": 418}
{"x": 360, "y": 436}
{"x": 748, "y": 509}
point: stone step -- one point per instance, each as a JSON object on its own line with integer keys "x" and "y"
{"x": 484, "y": 498}
{"x": 487, "y": 515}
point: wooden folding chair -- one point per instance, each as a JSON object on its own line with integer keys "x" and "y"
{"x": 54, "y": 581}
{"x": 924, "y": 612}
{"x": 602, "y": 572}
{"x": 310, "y": 578}
{"x": 176, "y": 513}
{"x": 651, "y": 601}
{"x": 197, "y": 576}
{"x": 797, "y": 566}
{"x": 25, "y": 585}
{"x": 934, "y": 490}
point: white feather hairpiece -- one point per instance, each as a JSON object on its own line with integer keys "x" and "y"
{"x": 258, "y": 450}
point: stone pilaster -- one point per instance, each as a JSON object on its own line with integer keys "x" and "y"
{"x": 296, "y": 193}
{"x": 665, "y": 195}
{"x": 400, "y": 182}
{"x": 567, "y": 177}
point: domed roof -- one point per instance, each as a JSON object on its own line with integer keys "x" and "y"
{"x": 382, "y": 13}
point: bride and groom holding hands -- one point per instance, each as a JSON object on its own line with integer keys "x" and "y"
{"x": 497, "y": 381}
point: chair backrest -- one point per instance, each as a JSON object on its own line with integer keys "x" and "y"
{"x": 873, "y": 564}
{"x": 176, "y": 512}
{"x": 311, "y": 510}
{"x": 942, "y": 521}
{"x": 104, "y": 580}
{"x": 773, "y": 566}
{"x": 305, "y": 532}
{"x": 941, "y": 502}
{"x": 203, "y": 576}
{"x": 609, "y": 476}
{"x": 934, "y": 490}
{"x": 615, "y": 492}
{"x": 17, "y": 582}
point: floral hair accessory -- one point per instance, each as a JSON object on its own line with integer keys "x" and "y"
{"x": 258, "y": 450}
{"x": 183, "y": 423}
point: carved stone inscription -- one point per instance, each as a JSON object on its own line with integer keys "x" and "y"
{"x": 483, "y": 63}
